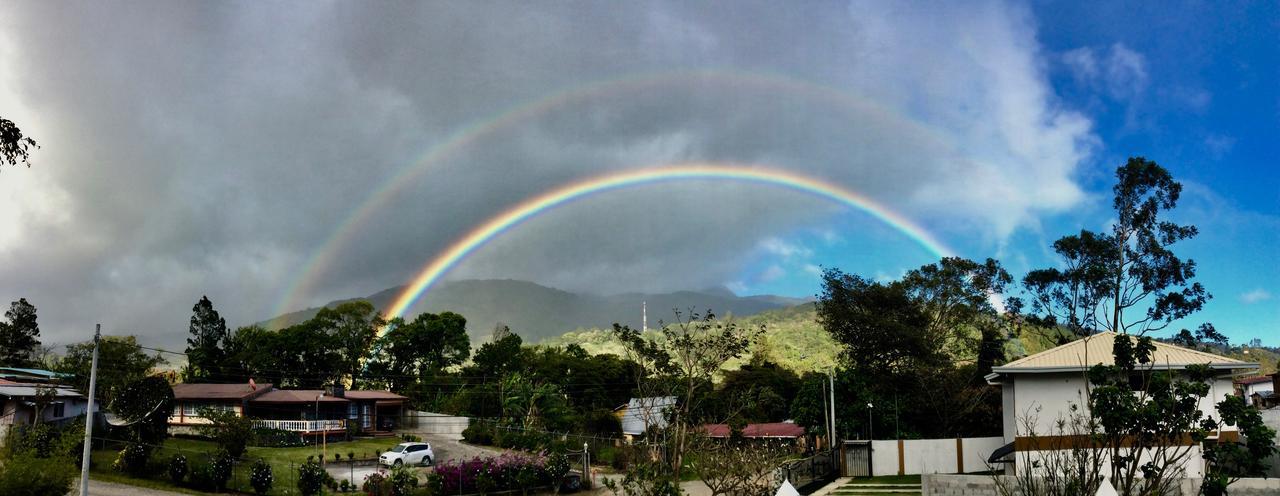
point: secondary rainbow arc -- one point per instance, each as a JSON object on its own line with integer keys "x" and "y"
{"x": 459, "y": 250}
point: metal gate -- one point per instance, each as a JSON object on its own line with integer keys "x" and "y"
{"x": 812, "y": 473}
{"x": 857, "y": 458}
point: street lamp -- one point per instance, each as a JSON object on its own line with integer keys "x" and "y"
{"x": 870, "y": 428}
{"x": 324, "y": 438}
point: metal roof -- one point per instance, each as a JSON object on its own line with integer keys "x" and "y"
{"x": 28, "y": 391}
{"x": 297, "y": 396}
{"x": 374, "y": 395}
{"x": 237, "y": 391}
{"x": 787, "y": 430}
{"x": 1086, "y": 352}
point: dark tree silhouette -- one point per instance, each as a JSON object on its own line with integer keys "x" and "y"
{"x": 206, "y": 346}
{"x": 14, "y": 146}
{"x": 20, "y": 335}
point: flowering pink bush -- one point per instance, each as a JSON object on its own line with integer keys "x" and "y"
{"x": 489, "y": 474}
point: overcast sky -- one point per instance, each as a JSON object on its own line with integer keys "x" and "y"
{"x": 214, "y": 148}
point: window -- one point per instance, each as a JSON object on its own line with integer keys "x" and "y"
{"x": 189, "y": 409}
{"x": 353, "y": 411}
{"x": 59, "y": 410}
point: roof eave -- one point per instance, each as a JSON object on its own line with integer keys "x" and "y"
{"x": 997, "y": 371}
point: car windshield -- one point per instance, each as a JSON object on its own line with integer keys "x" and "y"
{"x": 399, "y": 448}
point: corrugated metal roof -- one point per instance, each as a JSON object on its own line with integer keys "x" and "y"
{"x": 1258, "y": 379}
{"x": 1097, "y": 349}
{"x": 374, "y": 395}
{"x": 26, "y": 391}
{"x": 787, "y": 430}
{"x": 297, "y": 396}
{"x": 216, "y": 391}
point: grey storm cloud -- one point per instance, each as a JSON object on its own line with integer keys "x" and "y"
{"x": 212, "y": 148}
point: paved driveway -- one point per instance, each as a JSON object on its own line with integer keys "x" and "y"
{"x": 102, "y": 488}
{"x": 444, "y": 449}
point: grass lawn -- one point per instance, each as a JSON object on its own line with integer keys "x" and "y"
{"x": 887, "y": 479}
{"x": 284, "y": 462}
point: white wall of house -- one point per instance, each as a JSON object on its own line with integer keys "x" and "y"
{"x": 1193, "y": 465}
{"x": 1049, "y": 396}
{"x": 186, "y": 412}
{"x": 1261, "y": 387}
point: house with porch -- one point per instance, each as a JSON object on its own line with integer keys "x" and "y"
{"x": 1040, "y": 389}
{"x": 309, "y": 412}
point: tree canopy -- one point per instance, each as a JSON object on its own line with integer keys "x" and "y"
{"x": 19, "y": 335}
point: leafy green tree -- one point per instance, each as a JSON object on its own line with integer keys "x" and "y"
{"x": 205, "y": 347}
{"x": 1206, "y": 337}
{"x": 121, "y": 362}
{"x": 14, "y": 146}
{"x": 494, "y": 359}
{"x": 902, "y": 340}
{"x": 422, "y": 348}
{"x": 1128, "y": 280}
{"x": 20, "y": 335}
{"x": 683, "y": 364}
{"x": 230, "y": 430}
{"x": 352, "y": 328}
{"x": 305, "y": 356}
{"x": 759, "y": 391}
{"x": 252, "y": 352}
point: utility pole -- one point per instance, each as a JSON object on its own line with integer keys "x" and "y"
{"x": 644, "y": 316}
{"x": 826, "y": 415}
{"x": 88, "y": 418}
{"x": 832, "y": 377}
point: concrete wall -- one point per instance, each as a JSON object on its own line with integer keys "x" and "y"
{"x": 985, "y": 485}
{"x": 932, "y": 456}
{"x": 435, "y": 424}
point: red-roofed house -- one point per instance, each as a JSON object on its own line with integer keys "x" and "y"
{"x": 771, "y": 430}
{"x": 306, "y": 411}
{"x": 1255, "y": 389}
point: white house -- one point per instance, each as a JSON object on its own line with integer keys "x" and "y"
{"x": 1040, "y": 389}
{"x": 1258, "y": 390}
{"x": 641, "y": 414}
{"x": 19, "y": 403}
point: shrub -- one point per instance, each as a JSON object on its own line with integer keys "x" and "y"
{"x": 260, "y": 477}
{"x": 275, "y": 438}
{"x": 410, "y": 438}
{"x": 403, "y": 481}
{"x": 219, "y": 469}
{"x": 227, "y": 428}
{"x": 28, "y": 475}
{"x": 557, "y": 469}
{"x": 199, "y": 477}
{"x": 344, "y": 486}
{"x": 310, "y": 478}
{"x": 178, "y": 469}
{"x": 376, "y": 484}
{"x": 132, "y": 459}
{"x": 483, "y": 475}
{"x": 479, "y": 432}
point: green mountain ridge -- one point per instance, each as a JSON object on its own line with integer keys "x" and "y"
{"x": 537, "y": 312}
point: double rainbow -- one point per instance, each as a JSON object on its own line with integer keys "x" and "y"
{"x": 438, "y": 267}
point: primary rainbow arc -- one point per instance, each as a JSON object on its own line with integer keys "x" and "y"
{"x": 439, "y": 266}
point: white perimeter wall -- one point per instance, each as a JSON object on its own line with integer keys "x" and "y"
{"x": 436, "y": 424}
{"x": 932, "y": 456}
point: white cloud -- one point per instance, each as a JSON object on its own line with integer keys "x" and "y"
{"x": 782, "y": 248}
{"x": 1255, "y": 296}
{"x": 1118, "y": 70}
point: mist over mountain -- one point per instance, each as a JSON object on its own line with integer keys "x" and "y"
{"x": 538, "y": 312}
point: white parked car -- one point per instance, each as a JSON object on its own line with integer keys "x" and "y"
{"x": 408, "y": 454}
